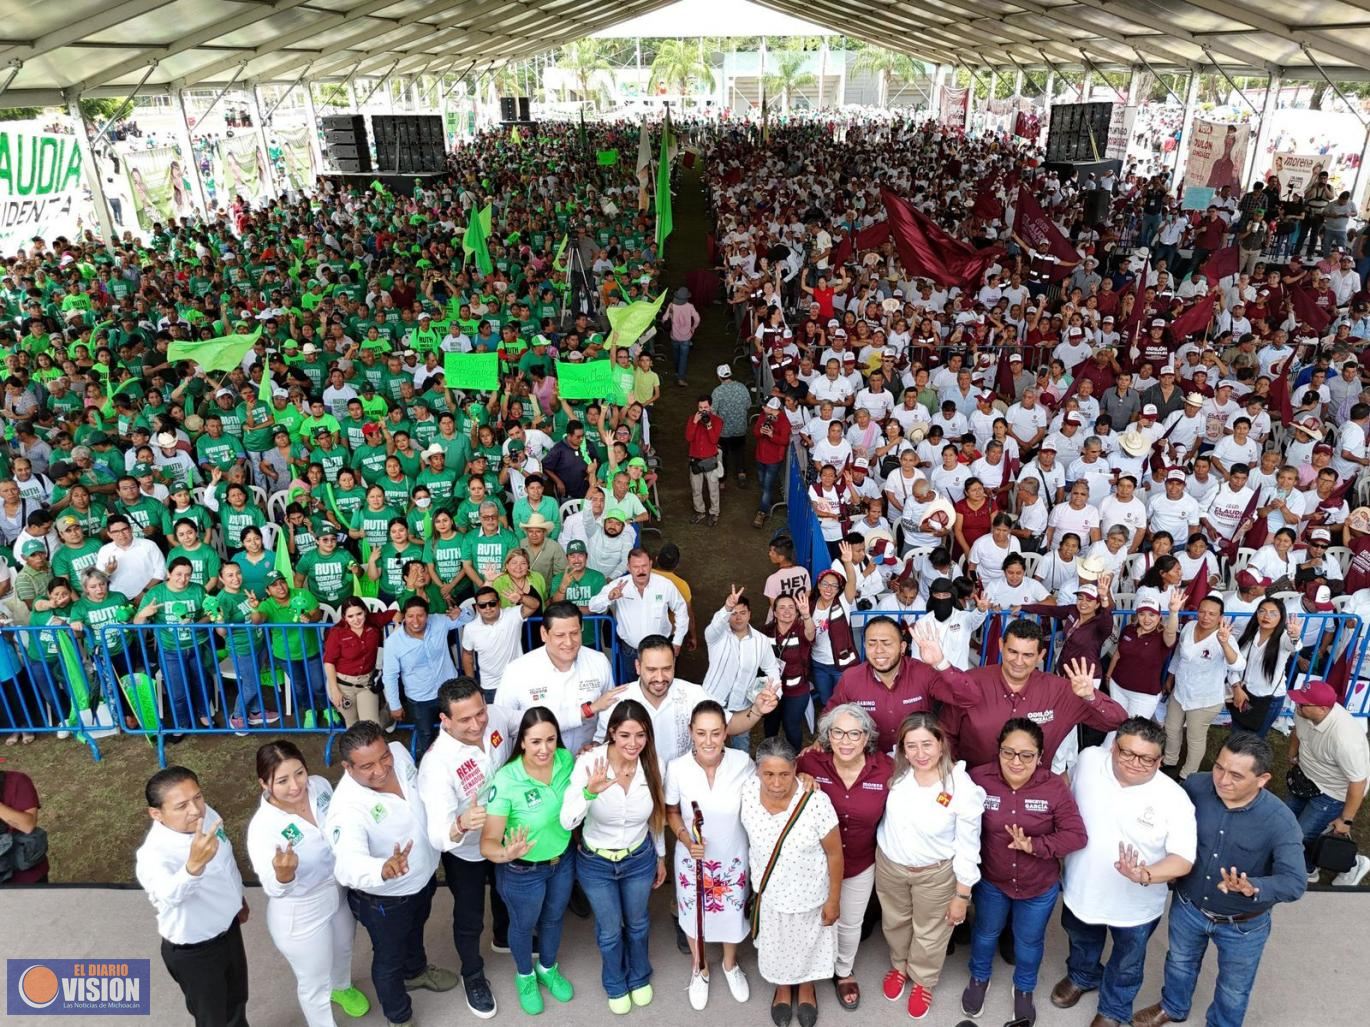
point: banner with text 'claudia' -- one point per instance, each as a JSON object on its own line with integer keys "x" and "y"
{"x": 42, "y": 188}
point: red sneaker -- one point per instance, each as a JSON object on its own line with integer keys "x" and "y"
{"x": 894, "y": 985}
{"x": 920, "y": 1001}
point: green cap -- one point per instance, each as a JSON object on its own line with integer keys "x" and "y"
{"x": 34, "y": 546}
{"x": 141, "y": 469}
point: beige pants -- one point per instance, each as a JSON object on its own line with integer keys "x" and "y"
{"x": 913, "y": 908}
{"x": 366, "y": 705}
{"x": 699, "y": 483}
{"x": 855, "y": 897}
{"x": 1191, "y": 726}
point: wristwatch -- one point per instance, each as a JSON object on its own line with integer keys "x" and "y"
{"x": 1348, "y": 823}
{"x": 586, "y": 711}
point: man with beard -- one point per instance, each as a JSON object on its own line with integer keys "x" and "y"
{"x": 607, "y": 542}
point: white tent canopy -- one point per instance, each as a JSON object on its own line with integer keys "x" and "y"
{"x": 53, "y": 53}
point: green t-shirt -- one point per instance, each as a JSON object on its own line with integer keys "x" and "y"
{"x": 526, "y": 802}
{"x": 69, "y": 563}
{"x": 235, "y": 522}
{"x": 369, "y": 462}
{"x": 145, "y": 514}
{"x": 447, "y": 556}
{"x": 182, "y": 607}
{"x": 392, "y": 561}
{"x": 291, "y": 643}
{"x": 327, "y": 576}
{"x": 580, "y": 593}
{"x": 95, "y": 615}
{"x": 331, "y": 460}
{"x": 397, "y": 493}
{"x": 204, "y": 563}
{"x": 254, "y": 574}
{"x": 487, "y": 552}
{"x": 235, "y": 610}
{"x": 374, "y": 524}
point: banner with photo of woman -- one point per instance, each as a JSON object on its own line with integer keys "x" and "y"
{"x": 242, "y": 166}
{"x": 157, "y": 183}
{"x": 1217, "y": 154}
{"x": 296, "y": 162}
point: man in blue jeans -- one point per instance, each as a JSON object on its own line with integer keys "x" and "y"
{"x": 1330, "y": 749}
{"x": 1250, "y": 857}
{"x": 419, "y": 655}
{"x": 1141, "y": 836}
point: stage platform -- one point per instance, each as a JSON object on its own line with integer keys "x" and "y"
{"x": 402, "y": 185}
{"x": 1312, "y": 972}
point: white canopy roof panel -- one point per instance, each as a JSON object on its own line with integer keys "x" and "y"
{"x": 52, "y": 52}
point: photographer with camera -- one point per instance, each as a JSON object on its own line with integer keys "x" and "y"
{"x": 702, "y": 432}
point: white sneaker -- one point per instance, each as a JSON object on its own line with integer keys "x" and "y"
{"x": 1347, "y": 878}
{"x": 737, "y": 983}
{"x": 1314, "y": 876}
{"x": 699, "y": 990}
{"x": 63, "y": 735}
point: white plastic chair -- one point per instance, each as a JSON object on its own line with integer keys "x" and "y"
{"x": 270, "y": 533}
{"x": 570, "y": 507}
{"x": 276, "y": 504}
{"x": 1030, "y": 562}
{"x": 258, "y": 496}
{"x": 1343, "y": 556}
{"x": 330, "y": 612}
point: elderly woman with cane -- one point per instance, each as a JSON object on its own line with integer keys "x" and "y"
{"x": 796, "y": 864}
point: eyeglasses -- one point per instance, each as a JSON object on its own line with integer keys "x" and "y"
{"x": 1128, "y": 756}
{"x": 1018, "y": 756}
{"x": 838, "y": 735}
{"x": 487, "y": 605}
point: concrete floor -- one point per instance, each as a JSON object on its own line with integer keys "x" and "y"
{"x": 1312, "y": 974}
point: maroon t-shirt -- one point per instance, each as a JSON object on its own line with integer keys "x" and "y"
{"x": 859, "y": 808}
{"x": 1046, "y": 812}
{"x": 1140, "y": 660}
{"x": 18, "y": 792}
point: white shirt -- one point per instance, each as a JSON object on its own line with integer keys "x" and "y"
{"x": 453, "y": 776}
{"x": 1229, "y": 451}
{"x": 365, "y": 825}
{"x": 989, "y": 558}
{"x": 638, "y": 614}
{"x": 1176, "y": 516}
{"x": 1351, "y": 440}
{"x": 1005, "y": 596}
{"x": 953, "y": 634}
{"x": 494, "y": 644}
{"x": 1155, "y": 818}
{"x": 917, "y": 830}
{"x": 1065, "y": 518}
{"x": 1201, "y": 668}
{"x": 533, "y": 680}
{"x": 190, "y": 908}
{"x": 736, "y": 663}
{"x": 617, "y": 818}
{"x": 271, "y": 828}
{"x": 1224, "y": 511}
{"x": 1131, "y": 515}
{"x": 136, "y": 567}
{"x": 670, "y": 720}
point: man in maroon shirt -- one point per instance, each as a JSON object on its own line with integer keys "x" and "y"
{"x": 19, "y": 813}
{"x": 889, "y": 687}
{"x": 1016, "y": 688}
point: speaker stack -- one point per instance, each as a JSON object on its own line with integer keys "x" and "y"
{"x": 345, "y": 141}
{"x": 409, "y": 143}
{"x": 515, "y": 110}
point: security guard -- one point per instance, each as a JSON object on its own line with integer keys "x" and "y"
{"x": 186, "y": 867}
{"x": 378, "y": 829}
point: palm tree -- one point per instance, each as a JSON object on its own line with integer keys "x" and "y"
{"x": 888, "y": 66}
{"x": 679, "y": 64}
{"x": 585, "y": 59}
{"x": 508, "y": 81}
{"x": 788, "y": 78}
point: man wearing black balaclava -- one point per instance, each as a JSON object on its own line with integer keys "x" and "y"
{"x": 952, "y": 626}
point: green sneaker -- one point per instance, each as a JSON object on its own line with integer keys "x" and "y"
{"x": 331, "y": 717}
{"x": 352, "y": 1002}
{"x": 309, "y": 720}
{"x": 619, "y": 1006}
{"x": 551, "y": 979}
{"x": 530, "y": 995}
{"x": 641, "y": 996}
{"x": 433, "y": 978}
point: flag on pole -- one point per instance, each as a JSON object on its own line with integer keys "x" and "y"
{"x": 515, "y": 136}
{"x": 561, "y": 251}
{"x": 628, "y": 322}
{"x": 664, "y": 222}
{"x": 282, "y": 565}
{"x": 223, "y": 353}
{"x": 474, "y": 242}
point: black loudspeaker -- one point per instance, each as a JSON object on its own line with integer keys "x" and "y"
{"x": 345, "y": 141}
{"x": 409, "y": 143}
{"x": 524, "y": 109}
{"x": 508, "y": 108}
{"x": 1078, "y": 131}
{"x": 1097, "y": 202}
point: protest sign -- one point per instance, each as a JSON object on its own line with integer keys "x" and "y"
{"x": 479, "y": 371}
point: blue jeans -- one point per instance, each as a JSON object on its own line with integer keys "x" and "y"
{"x": 626, "y": 668}
{"x": 1117, "y": 982}
{"x": 308, "y": 686}
{"x": 1030, "y": 916}
{"x": 789, "y": 716}
{"x": 395, "y": 925}
{"x": 767, "y": 476}
{"x": 536, "y": 895}
{"x": 825, "y": 677}
{"x": 247, "y": 671}
{"x": 618, "y": 893}
{"x": 681, "y": 350}
{"x": 1314, "y": 815}
{"x": 189, "y": 685}
{"x": 422, "y": 714}
{"x": 1239, "y": 956}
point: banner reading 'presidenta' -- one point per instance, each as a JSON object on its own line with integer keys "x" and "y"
{"x": 41, "y": 185}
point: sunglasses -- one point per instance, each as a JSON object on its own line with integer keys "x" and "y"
{"x": 487, "y": 605}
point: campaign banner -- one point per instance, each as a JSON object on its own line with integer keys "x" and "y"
{"x": 1296, "y": 171}
{"x": 1217, "y": 154}
{"x": 952, "y": 110}
{"x": 42, "y": 188}
{"x": 1120, "y": 124}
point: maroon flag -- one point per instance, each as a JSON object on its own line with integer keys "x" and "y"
{"x": 1220, "y": 264}
{"x": 1003, "y": 378}
{"x": 928, "y": 250}
{"x": 1033, "y": 228}
{"x": 1309, "y": 309}
{"x": 1280, "y": 399}
{"x": 1196, "y": 318}
{"x": 1134, "y": 316}
{"x": 868, "y": 238}
{"x": 987, "y": 205}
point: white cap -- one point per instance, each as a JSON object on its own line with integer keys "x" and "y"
{"x": 724, "y": 371}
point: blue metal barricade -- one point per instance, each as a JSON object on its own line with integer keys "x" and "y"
{"x": 598, "y": 634}
{"x": 810, "y": 550}
{"x": 45, "y": 687}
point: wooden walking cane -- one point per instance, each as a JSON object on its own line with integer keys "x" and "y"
{"x": 703, "y": 964}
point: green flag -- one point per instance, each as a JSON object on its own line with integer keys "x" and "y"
{"x": 220, "y": 354}
{"x": 282, "y": 565}
{"x": 585, "y": 381}
{"x": 664, "y": 222}
{"x": 474, "y": 241}
{"x": 516, "y": 136}
{"x": 561, "y": 250}
{"x": 471, "y": 371}
{"x": 607, "y": 158}
{"x": 628, "y": 322}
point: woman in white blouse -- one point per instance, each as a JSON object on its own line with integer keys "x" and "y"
{"x": 1197, "y": 683}
{"x": 616, "y": 792}
{"x": 1275, "y": 559}
{"x": 1267, "y": 641}
{"x": 306, "y": 914}
{"x": 988, "y": 552}
{"x": 927, "y": 858}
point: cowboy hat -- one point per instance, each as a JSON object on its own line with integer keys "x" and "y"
{"x": 917, "y": 434}
{"x": 536, "y": 520}
{"x": 1134, "y": 443}
{"x": 1090, "y": 567}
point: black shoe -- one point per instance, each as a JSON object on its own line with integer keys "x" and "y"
{"x": 174, "y": 739}
{"x": 579, "y": 904}
{"x": 682, "y": 943}
{"x": 1006, "y": 952}
{"x": 479, "y": 998}
{"x": 808, "y": 1014}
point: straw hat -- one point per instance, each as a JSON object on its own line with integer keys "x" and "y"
{"x": 1134, "y": 443}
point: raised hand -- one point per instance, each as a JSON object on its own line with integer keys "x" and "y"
{"x": 768, "y": 698}
{"x": 517, "y": 843}
{"x": 598, "y": 781}
{"x": 608, "y": 699}
{"x": 981, "y": 601}
{"x": 734, "y": 594}
{"x": 929, "y": 648}
{"x": 801, "y": 599}
{"x": 616, "y": 592}
{"x": 1018, "y": 839}
{"x": 285, "y": 862}
{"x": 1224, "y": 631}
{"x": 1295, "y": 626}
{"x": 1080, "y": 673}
{"x": 204, "y": 843}
{"x": 398, "y": 863}
{"x": 1176, "y": 600}
{"x": 844, "y": 551}
{"x": 1238, "y": 883}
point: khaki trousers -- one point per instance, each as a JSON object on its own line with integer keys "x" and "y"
{"x": 366, "y": 705}
{"x": 702, "y": 484}
{"x": 1191, "y": 726}
{"x": 913, "y": 907}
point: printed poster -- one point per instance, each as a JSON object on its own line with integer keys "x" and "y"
{"x": 1217, "y": 154}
